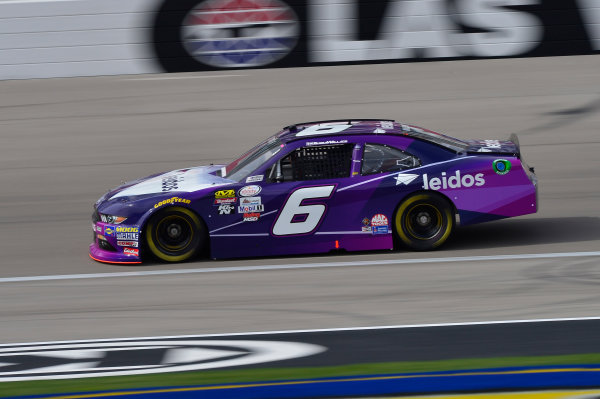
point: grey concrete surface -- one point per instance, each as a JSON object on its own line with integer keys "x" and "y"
{"x": 63, "y": 142}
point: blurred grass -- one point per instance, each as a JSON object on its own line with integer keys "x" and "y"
{"x": 217, "y": 377}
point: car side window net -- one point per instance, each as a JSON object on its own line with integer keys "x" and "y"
{"x": 318, "y": 162}
{"x": 380, "y": 158}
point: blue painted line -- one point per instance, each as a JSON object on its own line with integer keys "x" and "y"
{"x": 519, "y": 378}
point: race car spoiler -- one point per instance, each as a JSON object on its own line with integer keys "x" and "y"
{"x": 500, "y": 147}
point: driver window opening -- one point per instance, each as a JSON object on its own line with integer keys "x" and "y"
{"x": 380, "y": 158}
{"x": 314, "y": 163}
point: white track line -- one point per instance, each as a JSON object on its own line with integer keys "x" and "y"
{"x": 300, "y": 266}
{"x": 318, "y": 330}
{"x": 182, "y": 77}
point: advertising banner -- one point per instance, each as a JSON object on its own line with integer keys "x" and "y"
{"x": 49, "y": 38}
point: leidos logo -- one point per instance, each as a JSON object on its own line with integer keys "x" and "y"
{"x": 454, "y": 181}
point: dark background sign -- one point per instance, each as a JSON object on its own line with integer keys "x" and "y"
{"x": 191, "y": 35}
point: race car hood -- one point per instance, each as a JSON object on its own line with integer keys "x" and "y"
{"x": 181, "y": 180}
{"x": 493, "y": 146}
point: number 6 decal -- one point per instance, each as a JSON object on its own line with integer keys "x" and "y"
{"x": 296, "y": 218}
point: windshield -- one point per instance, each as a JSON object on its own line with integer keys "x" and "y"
{"x": 250, "y": 161}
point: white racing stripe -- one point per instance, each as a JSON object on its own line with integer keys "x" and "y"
{"x": 302, "y": 266}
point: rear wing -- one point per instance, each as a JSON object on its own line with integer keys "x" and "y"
{"x": 515, "y": 139}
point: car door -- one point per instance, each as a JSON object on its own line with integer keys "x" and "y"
{"x": 294, "y": 207}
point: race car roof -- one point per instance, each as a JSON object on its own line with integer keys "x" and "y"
{"x": 342, "y": 127}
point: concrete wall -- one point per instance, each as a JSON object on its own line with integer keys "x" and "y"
{"x": 50, "y": 38}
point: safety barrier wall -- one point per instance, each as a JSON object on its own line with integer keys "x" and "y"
{"x": 50, "y": 38}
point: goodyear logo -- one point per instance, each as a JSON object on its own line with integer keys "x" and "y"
{"x": 225, "y": 194}
{"x": 173, "y": 200}
{"x": 123, "y": 229}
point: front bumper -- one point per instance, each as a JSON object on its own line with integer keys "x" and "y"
{"x": 100, "y": 255}
{"x": 115, "y": 244}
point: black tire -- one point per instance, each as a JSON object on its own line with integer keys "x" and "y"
{"x": 175, "y": 234}
{"x": 424, "y": 221}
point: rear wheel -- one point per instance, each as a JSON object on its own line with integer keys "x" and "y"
{"x": 424, "y": 221}
{"x": 175, "y": 234}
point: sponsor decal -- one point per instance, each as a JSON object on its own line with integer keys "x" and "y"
{"x": 240, "y": 33}
{"x": 492, "y": 144}
{"x": 386, "y": 124}
{"x": 381, "y": 230}
{"x": 501, "y": 166}
{"x": 249, "y": 191}
{"x": 170, "y": 183}
{"x": 254, "y": 179}
{"x": 251, "y": 208}
{"x": 379, "y": 130}
{"x": 250, "y": 201}
{"x": 251, "y": 217}
{"x": 112, "y": 219}
{"x": 131, "y": 251}
{"x": 405, "y": 178}
{"x": 103, "y": 358}
{"x": 456, "y": 180}
{"x": 128, "y": 236}
{"x": 173, "y": 200}
{"x": 226, "y": 209}
{"x": 366, "y": 225}
{"x": 123, "y": 229}
{"x": 230, "y": 200}
{"x": 109, "y": 231}
{"x": 224, "y": 194}
{"x": 379, "y": 220}
{"x": 328, "y": 142}
{"x": 127, "y": 244}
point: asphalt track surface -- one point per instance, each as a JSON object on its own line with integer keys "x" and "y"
{"x": 64, "y": 142}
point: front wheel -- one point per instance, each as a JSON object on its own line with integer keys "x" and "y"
{"x": 424, "y": 222}
{"x": 175, "y": 234}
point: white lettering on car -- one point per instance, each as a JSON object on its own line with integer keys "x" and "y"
{"x": 454, "y": 181}
{"x": 323, "y": 128}
{"x": 296, "y": 218}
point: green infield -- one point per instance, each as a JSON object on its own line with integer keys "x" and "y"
{"x": 25, "y": 388}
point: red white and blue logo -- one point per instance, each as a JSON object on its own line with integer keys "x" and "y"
{"x": 240, "y": 33}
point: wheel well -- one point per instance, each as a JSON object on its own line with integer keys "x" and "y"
{"x": 143, "y": 245}
{"x": 428, "y": 192}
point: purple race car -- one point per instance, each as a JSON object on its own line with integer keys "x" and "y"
{"x": 317, "y": 187}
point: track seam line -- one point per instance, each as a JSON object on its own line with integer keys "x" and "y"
{"x": 299, "y": 266}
